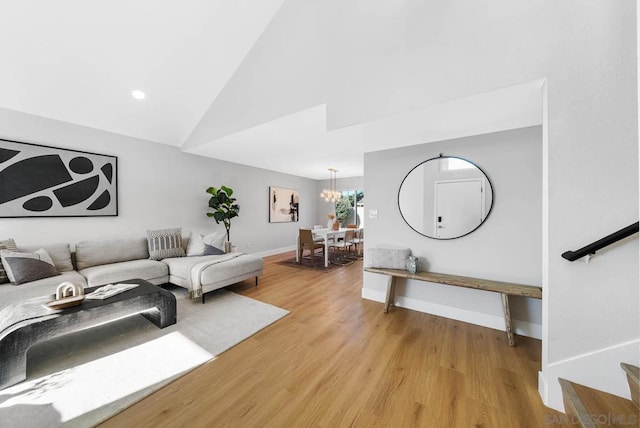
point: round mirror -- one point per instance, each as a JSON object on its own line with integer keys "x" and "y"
{"x": 445, "y": 197}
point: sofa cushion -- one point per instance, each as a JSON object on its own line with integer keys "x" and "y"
{"x": 25, "y": 267}
{"x": 60, "y": 254}
{"x": 6, "y": 244}
{"x": 165, "y": 243}
{"x": 95, "y": 253}
{"x": 149, "y": 270}
{"x": 10, "y": 294}
{"x": 181, "y": 267}
{"x": 231, "y": 269}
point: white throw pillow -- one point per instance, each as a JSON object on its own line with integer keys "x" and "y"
{"x": 196, "y": 242}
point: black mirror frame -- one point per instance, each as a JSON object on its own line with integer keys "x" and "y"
{"x": 493, "y": 196}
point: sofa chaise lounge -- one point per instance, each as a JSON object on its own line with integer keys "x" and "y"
{"x": 110, "y": 261}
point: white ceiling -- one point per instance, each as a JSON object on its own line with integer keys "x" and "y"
{"x": 78, "y": 61}
{"x": 303, "y": 145}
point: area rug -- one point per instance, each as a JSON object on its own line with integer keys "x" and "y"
{"x": 82, "y": 379}
{"x": 336, "y": 261}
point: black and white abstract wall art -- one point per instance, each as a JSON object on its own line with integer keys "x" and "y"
{"x": 284, "y": 205}
{"x": 42, "y": 181}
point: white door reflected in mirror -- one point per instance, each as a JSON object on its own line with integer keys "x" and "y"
{"x": 445, "y": 197}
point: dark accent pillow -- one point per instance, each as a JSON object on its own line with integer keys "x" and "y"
{"x": 210, "y": 250}
{"x": 27, "y": 267}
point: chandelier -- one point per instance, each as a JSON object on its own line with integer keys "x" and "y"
{"x": 331, "y": 194}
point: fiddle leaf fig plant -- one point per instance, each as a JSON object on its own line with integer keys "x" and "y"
{"x": 224, "y": 206}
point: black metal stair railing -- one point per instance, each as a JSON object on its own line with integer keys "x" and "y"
{"x": 601, "y": 243}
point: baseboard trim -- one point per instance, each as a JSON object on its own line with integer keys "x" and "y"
{"x": 597, "y": 369}
{"x": 275, "y": 251}
{"x": 522, "y": 328}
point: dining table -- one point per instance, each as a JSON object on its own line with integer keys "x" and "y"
{"x": 326, "y": 234}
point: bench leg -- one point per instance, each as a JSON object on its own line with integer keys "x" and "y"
{"x": 507, "y": 319}
{"x": 391, "y": 293}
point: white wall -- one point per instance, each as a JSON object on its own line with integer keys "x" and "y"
{"x": 159, "y": 187}
{"x": 369, "y": 60}
{"x": 507, "y": 247}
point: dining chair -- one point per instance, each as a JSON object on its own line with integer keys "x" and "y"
{"x": 316, "y": 237}
{"x": 359, "y": 239}
{"x": 345, "y": 243}
{"x": 307, "y": 242}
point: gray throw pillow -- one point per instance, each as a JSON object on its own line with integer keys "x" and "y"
{"x": 210, "y": 250}
{"x": 388, "y": 258}
{"x": 27, "y": 267}
{"x": 165, "y": 243}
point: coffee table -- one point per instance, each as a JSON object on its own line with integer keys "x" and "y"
{"x": 30, "y": 322}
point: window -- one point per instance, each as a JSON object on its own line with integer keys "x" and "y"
{"x": 454, "y": 164}
{"x": 350, "y": 209}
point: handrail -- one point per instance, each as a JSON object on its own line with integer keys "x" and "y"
{"x": 601, "y": 243}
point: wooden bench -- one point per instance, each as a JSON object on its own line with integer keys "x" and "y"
{"x": 505, "y": 289}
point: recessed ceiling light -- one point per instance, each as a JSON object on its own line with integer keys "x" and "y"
{"x": 138, "y": 94}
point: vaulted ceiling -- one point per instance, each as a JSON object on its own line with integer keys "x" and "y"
{"x": 78, "y": 62}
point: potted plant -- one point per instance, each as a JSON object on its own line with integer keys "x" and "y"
{"x": 343, "y": 210}
{"x": 224, "y": 209}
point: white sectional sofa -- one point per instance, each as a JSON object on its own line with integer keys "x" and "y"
{"x": 110, "y": 261}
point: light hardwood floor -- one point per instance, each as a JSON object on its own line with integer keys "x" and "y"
{"x": 337, "y": 361}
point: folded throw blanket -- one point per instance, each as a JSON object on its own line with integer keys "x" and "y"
{"x": 195, "y": 286}
{"x": 25, "y": 312}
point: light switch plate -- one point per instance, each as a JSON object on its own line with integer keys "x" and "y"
{"x": 373, "y": 213}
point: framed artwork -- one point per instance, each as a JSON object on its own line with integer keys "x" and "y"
{"x": 43, "y": 181}
{"x": 284, "y": 205}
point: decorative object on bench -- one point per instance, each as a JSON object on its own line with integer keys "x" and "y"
{"x": 42, "y": 181}
{"x": 390, "y": 258}
{"x": 412, "y": 264}
{"x": 445, "y": 197}
{"x": 504, "y": 288}
{"x": 224, "y": 209}
{"x": 68, "y": 294}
